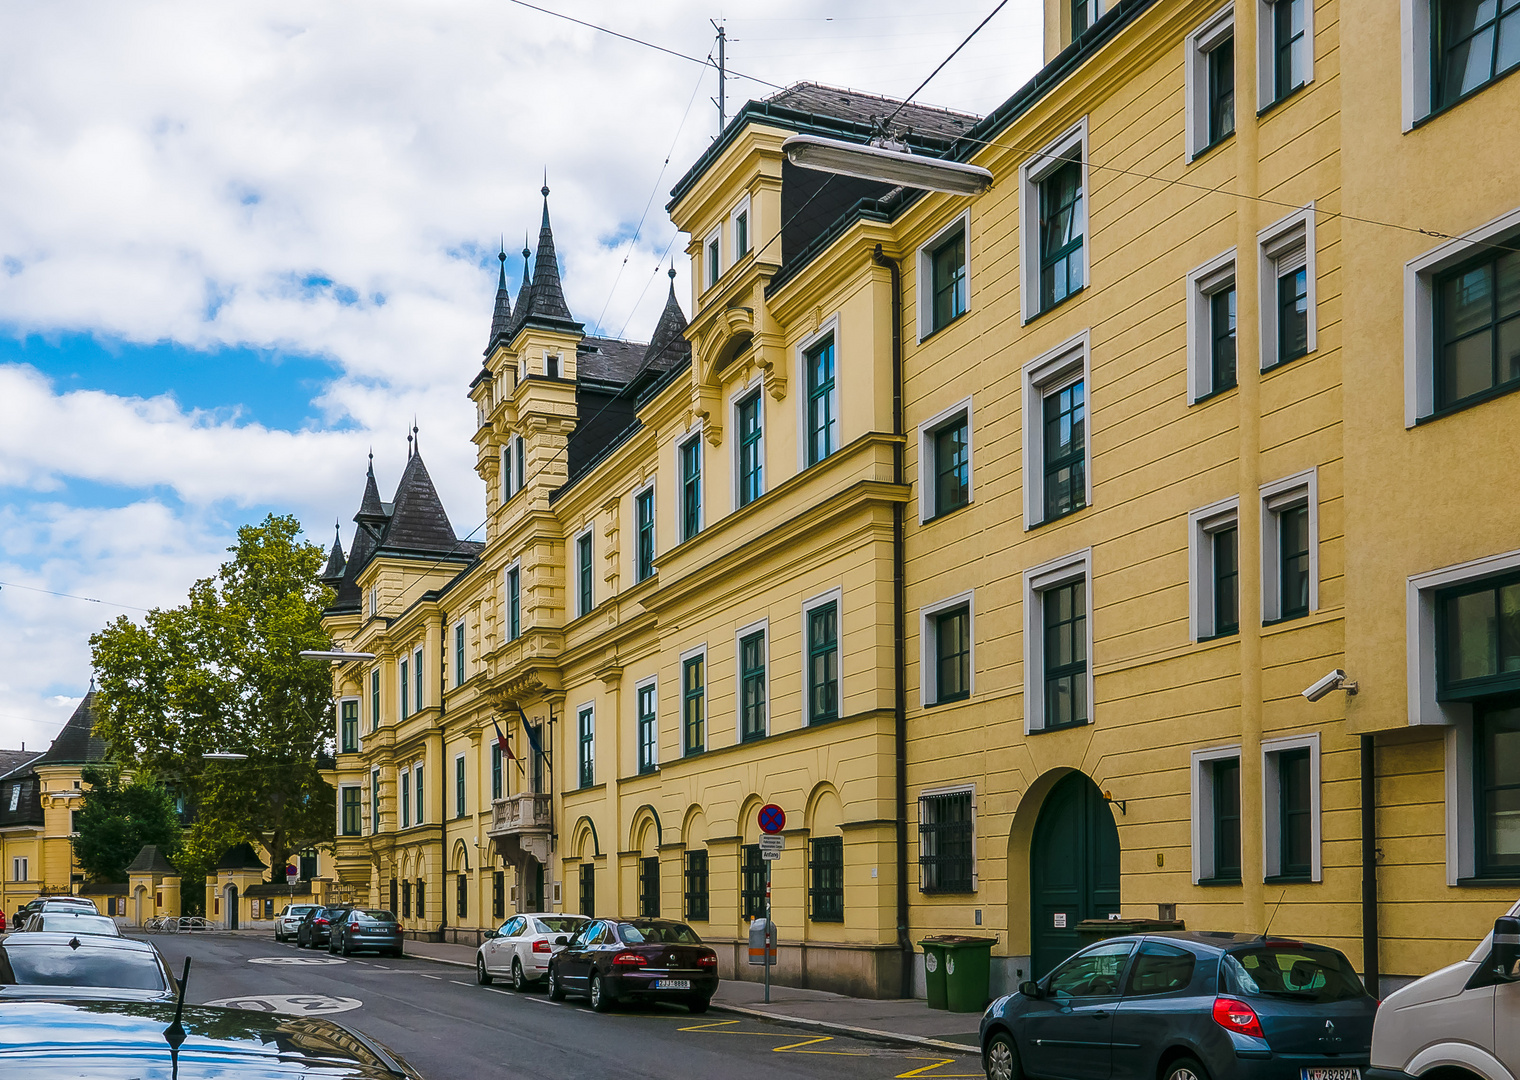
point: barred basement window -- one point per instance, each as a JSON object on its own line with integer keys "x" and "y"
{"x": 751, "y": 882}
{"x": 946, "y": 859}
{"x": 826, "y": 889}
{"x": 696, "y": 886}
{"x": 649, "y": 887}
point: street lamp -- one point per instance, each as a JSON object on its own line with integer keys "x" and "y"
{"x": 888, "y": 166}
{"x": 224, "y": 755}
{"x": 334, "y": 654}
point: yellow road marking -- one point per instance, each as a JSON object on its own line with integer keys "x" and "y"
{"x": 928, "y": 1071}
{"x": 790, "y": 1048}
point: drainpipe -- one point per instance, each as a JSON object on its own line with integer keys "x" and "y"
{"x": 1370, "y": 967}
{"x": 899, "y": 633}
{"x": 443, "y": 783}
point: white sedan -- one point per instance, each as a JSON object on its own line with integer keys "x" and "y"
{"x": 520, "y": 948}
{"x": 289, "y": 920}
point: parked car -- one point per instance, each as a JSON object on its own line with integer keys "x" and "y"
{"x": 71, "y": 922}
{"x": 77, "y": 904}
{"x": 126, "y": 1041}
{"x": 1462, "y": 1021}
{"x": 315, "y": 930}
{"x": 355, "y": 929}
{"x": 44, "y": 964}
{"x": 289, "y": 920}
{"x": 2, "y": 922}
{"x": 520, "y": 948}
{"x": 1186, "y": 1006}
{"x": 610, "y": 960}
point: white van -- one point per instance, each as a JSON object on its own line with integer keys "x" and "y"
{"x": 1459, "y": 1023}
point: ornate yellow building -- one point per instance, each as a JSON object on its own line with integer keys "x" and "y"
{"x": 995, "y": 537}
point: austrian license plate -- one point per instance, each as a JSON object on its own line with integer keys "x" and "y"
{"x": 1338, "y": 1072}
{"x": 685, "y": 984}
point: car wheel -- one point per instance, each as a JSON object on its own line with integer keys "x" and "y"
{"x": 519, "y": 980}
{"x": 397, "y": 953}
{"x": 1185, "y": 1069}
{"x": 698, "y": 1004}
{"x": 1000, "y": 1059}
{"x": 347, "y": 950}
{"x": 482, "y": 976}
{"x": 601, "y": 999}
{"x": 556, "y": 988}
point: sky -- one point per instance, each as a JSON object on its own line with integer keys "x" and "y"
{"x": 242, "y": 245}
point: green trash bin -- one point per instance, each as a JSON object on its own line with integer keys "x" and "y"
{"x": 958, "y": 971}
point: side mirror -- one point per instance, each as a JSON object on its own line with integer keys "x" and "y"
{"x": 1506, "y": 952}
{"x": 562, "y": 940}
{"x": 1031, "y": 989}
{"x": 490, "y": 934}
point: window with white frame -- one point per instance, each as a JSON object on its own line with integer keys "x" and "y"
{"x": 1211, "y": 82}
{"x": 944, "y": 456}
{"x": 712, "y": 256}
{"x": 752, "y": 659}
{"x": 947, "y": 840}
{"x": 374, "y": 599}
{"x": 646, "y": 698}
{"x": 947, "y": 669}
{"x": 1211, "y": 327}
{"x": 374, "y": 699}
{"x": 820, "y": 659}
{"x": 348, "y": 726}
{"x": 1291, "y": 805}
{"x": 374, "y": 801}
{"x": 739, "y": 222}
{"x": 944, "y": 271}
{"x": 1288, "y": 289}
{"x": 417, "y": 678}
{"x": 1058, "y": 681}
{"x": 405, "y": 674}
{"x": 1057, "y": 454}
{"x": 406, "y": 798}
{"x": 1082, "y": 14}
{"x": 643, "y": 517}
{"x": 350, "y": 817}
{"x": 459, "y": 653}
{"x": 19, "y": 868}
{"x": 749, "y": 447}
{"x": 1290, "y": 547}
{"x": 519, "y": 463}
{"x": 507, "y": 471}
{"x": 817, "y": 361}
{"x": 419, "y": 817}
{"x": 1216, "y": 816}
{"x": 694, "y": 700}
{"x": 584, "y": 574}
{"x": 689, "y": 460}
{"x": 1053, "y": 222}
{"x": 1462, "y": 321}
{"x": 1284, "y": 49}
{"x": 1214, "y": 562}
{"x": 1453, "y": 49}
{"x": 585, "y": 727}
{"x": 459, "y": 791}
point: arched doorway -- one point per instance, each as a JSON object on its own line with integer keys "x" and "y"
{"x": 1073, "y": 869}
{"x": 230, "y": 902}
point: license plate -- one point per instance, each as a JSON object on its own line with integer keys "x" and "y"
{"x": 683, "y": 984}
{"x": 1340, "y": 1072}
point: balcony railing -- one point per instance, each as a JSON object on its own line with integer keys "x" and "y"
{"x": 520, "y": 827}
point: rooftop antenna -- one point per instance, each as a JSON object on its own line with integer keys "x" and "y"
{"x": 174, "y": 1034}
{"x": 721, "y": 101}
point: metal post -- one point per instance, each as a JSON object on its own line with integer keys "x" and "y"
{"x": 722, "y": 99}
{"x": 770, "y": 930}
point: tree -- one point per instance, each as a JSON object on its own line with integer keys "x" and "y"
{"x": 221, "y": 673}
{"x": 115, "y": 819}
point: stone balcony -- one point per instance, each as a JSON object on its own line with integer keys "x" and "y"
{"x": 520, "y": 826}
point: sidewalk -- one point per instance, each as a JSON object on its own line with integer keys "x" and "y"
{"x": 907, "y": 1021}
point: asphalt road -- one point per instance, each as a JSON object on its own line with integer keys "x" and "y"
{"x": 435, "y": 1016}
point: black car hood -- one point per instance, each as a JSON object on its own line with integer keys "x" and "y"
{"x": 121, "y": 1040}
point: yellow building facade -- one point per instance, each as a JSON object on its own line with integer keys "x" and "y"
{"x": 996, "y": 537}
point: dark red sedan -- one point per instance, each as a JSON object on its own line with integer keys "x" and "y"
{"x": 617, "y": 959}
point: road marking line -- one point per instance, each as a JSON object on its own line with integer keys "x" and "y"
{"x": 791, "y": 1048}
{"x": 493, "y": 990}
{"x": 928, "y": 1071}
{"x": 425, "y": 975}
{"x": 556, "y": 1004}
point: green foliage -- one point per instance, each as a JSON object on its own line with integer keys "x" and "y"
{"x": 116, "y": 819}
{"x": 222, "y": 673}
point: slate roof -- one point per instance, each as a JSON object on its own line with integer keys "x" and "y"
{"x": 855, "y": 107}
{"x": 77, "y": 743}
{"x": 546, "y": 298}
{"x": 608, "y": 360}
{"x": 333, "y": 573}
{"x": 151, "y": 861}
{"x": 668, "y": 347}
{"x": 501, "y": 318}
{"x": 15, "y": 760}
{"x": 26, "y": 791}
{"x": 418, "y": 522}
{"x": 241, "y": 857}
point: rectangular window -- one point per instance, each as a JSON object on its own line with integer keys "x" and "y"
{"x": 374, "y": 700}
{"x": 714, "y": 270}
{"x": 520, "y": 462}
{"x": 583, "y": 573}
{"x": 1065, "y": 457}
{"x": 1479, "y": 631}
{"x": 1222, "y": 90}
{"x": 649, "y": 887}
{"x": 823, "y": 662}
{"x": 514, "y": 603}
{"x": 1065, "y": 676}
{"x": 741, "y": 234}
{"x": 1062, "y": 224}
{"x": 1293, "y": 550}
{"x": 1226, "y": 559}
{"x": 350, "y": 727}
{"x": 948, "y": 281}
{"x": 649, "y": 731}
{"x": 588, "y": 889}
{"x": 417, "y": 785}
{"x": 822, "y": 424}
{"x": 1291, "y": 45}
{"x": 826, "y": 871}
{"x": 1473, "y": 42}
{"x": 374, "y": 801}
{"x": 1477, "y": 319}
{"x": 406, "y": 899}
{"x": 586, "y": 730}
{"x": 751, "y": 882}
{"x": 1292, "y": 315}
{"x": 536, "y": 741}
{"x": 1496, "y": 787}
{"x": 952, "y": 466}
{"x": 752, "y": 695}
{"x": 459, "y": 654}
{"x": 1295, "y": 810}
{"x": 1290, "y": 548}
{"x": 1288, "y": 318}
{"x": 353, "y": 815}
{"x": 406, "y": 690}
{"x": 952, "y": 654}
{"x": 696, "y": 886}
{"x": 694, "y": 704}
{"x": 1083, "y": 15}
{"x": 417, "y": 678}
{"x": 1222, "y": 339}
{"x": 19, "y": 869}
{"x": 691, "y": 487}
{"x": 421, "y": 892}
{"x": 643, "y": 508}
{"x": 1210, "y": 78}
{"x": 1212, "y": 327}
{"x": 462, "y": 896}
{"x": 406, "y": 798}
{"x": 496, "y": 778}
{"x": 751, "y": 450}
{"x": 498, "y": 894}
{"x": 1225, "y": 788}
{"x": 506, "y": 472}
{"x": 459, "y": 800}
{"x": 946, "y": 843}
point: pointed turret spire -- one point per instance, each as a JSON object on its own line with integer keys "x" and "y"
{"x": 371, "y": 510}
{"x": 332, "y": 576}
{"x": 548, "y": 299}
{"x": 501, "y": 318}
{"x": 667, "y": 345}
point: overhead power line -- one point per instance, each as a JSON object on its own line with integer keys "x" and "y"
{"x": 70, "y": 596}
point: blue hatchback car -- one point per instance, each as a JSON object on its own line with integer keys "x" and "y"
{"x": 1186, "y": 1006}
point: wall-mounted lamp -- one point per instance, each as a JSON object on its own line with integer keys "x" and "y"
{"x": 1122, "y": 804}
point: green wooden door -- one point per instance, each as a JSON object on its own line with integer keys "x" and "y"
{"x": 1073, "y": 870}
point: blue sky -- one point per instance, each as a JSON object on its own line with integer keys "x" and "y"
{"x": 235, "y": 258}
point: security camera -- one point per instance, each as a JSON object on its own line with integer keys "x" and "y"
{"x": 1336, "y": 680}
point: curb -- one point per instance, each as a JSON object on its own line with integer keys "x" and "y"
{"x": 847, "y": 1029}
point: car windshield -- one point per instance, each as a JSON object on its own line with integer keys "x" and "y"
{"x": 668, "y": 933}
{"x": 560, "y": 925}
{"x": 299, "y": 909}
{"x": 66, "y": 922}
{"x": 59, "y": 965}
{"x": 1294, "y": 971}
{"x": 370, "y": 916}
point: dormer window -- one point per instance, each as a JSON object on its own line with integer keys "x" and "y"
{"x": 551, "y": 365}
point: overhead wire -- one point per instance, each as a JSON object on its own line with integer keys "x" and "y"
{"x": 71, "y": 596}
